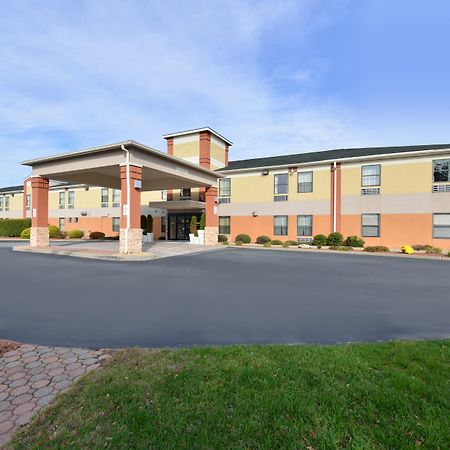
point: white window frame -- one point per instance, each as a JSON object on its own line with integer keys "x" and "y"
{"x": 302, "y": 186}
{"x": 378, "y": 226}
{"x": 441, "y": 226}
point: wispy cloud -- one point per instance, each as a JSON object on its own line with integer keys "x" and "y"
{"x": 81, "y": 73}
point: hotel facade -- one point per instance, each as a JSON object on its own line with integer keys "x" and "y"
{"x": 389, "y": 196}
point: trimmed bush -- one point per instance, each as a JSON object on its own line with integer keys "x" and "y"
{"x": 319, "y": 240}
{"x": 407, "y": 250}
{"x": 96, "y": 235}
{"x": 193, "y": 225}
{"x": 202, "y": 221}
{"x": 76, "y": 234}
{"x": 377, "y": 249}
{"x": 448, "y": 254}
{"x": 420, "y": 247}
{"x": 277, "y": 242}
{"x": 143, "y": 222}
{"x": 238, "y": 243}
{"x": 25, "y": 233}
{"x": 13, "y": 227}
{"x": 150, "y": 223}
{"x": 244, "y": 238}
{"x": 54, "y": 232}
{"x": 341, "y": 248}
{"x": 111, "y": 238}
{"x": 290, "y": 243}
{"x": 222, "y": 238}
{"x": 433, "y": 250}
{"x": 354, "y": 241}
{"x": 335, "y": 239}
{"x": 225, "y": 243}
{"x": 267, "y": 244}
{"x": 262, "y": 239}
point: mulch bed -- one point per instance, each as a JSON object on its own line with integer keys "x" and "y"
{"x": 7, "y": 346}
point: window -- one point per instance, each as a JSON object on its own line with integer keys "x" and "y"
{"x": 441, "y": 226}
{"x": 62, "y": 200}
{"x": 62, "y": 223}
{"x": 185, "y": 194}
{"x": 105, "y": 198}
{"x": 371, "y": 175}
{"x": 224, "y": 225}
{"x": 305, "y": 181}
{"x": 116, "y": 198}
{"x": 71, "y": 200}
{"x": 224, "y": 190}
{"x": 1, "y": 202}
{"x": 281, "y": 187}
{"x": 164, "y": 195}
{"x": 116, "y": 224}
{"x": 441, "y": 170}
{"x": 304, "y": 225}
{"x": 370, "y": 225}
{"x": 28, "y": 202}
{"x": 280, "y": 225}
{"x": 163, "y": 224}
{"x": 6, "y": 202}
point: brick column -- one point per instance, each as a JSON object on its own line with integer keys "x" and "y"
{"x": 133, "y": 209}
{"x": 204, "y": 158}
{"x": 39, "y": 213}
{"x": 212, "y": 221}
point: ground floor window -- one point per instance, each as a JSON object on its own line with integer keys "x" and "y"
{"x": 224, "y": 225}
{"x": 280, "y": 225}
{"x": 116, "y": 224}
{"x": 370, "y": 225}
{"x": 62, "y": 223}
{"x": 304, "y": 225}
{"x": 441, "y": 226}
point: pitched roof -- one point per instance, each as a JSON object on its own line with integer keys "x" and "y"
{"x": 327, "y": 155}
{"x": 11, "y": 189}
{"x": 197, "y": 130}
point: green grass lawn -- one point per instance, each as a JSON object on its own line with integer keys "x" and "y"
{"x": 389, "y": 395}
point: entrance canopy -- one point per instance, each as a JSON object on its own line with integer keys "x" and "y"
{"x": 100, "y": 166}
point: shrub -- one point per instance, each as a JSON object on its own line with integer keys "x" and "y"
{"x": 143, "y": 222}
{"x": 267, "y": 244}
{"x": 96, "y": 235}
{"x": 222, "y": 238}
{"x": 111, "y": 238}
{"x": 63, "y": 234}
{"x": 354, "y": 241}
{"x": 225, "y": 243}
{"x": 430, "y": 249}
{"x": 25, "y": 233}
{"x": 150, "y": 223}
{"x": 262, "y": 239}
{"x": 290, "y": 243}
{"x": 244, "y": 238}
{"x": 335, "y": 239}
{"x": 341, "y": 248}
{"x": 448, "y": 254}
{"x": 193, "y": 225}
{"x": 319, "y": 240}
{"x": 13, "y": 227}
{"x": 420, "y": 247}
{"x": 238, "y": 243}
{"x": 202, "y": 221}
{"x": 407, "y": 250}
{"x": 54, "y": 232}
{"x": 277, "y": 242}
{"x": 76, "y": 234}
{"x": 377, "y": 249}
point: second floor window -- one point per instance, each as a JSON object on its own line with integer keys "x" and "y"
{"x": 105, "y": 198}
{"x": 441, "y": 170}
{"x": 281, "y": 187}
{"x": 116, "y": 198}
{"x": 305, "y": 181}
{"x": 224, "y": 190}
{"x": 62, "y": 200}
{"x": 185, "y": 194}
{"x": 371, "y": 175}
{"x": 71, "y": 200}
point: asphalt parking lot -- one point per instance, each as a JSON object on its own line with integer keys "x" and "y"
{"x": 224, "y": 297}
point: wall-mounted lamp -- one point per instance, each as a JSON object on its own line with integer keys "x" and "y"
{"x": 255, "y": 213}
{"x": 84, "y": 213}
{"x": 265, "y": 172}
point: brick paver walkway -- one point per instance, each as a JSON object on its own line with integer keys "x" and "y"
{"x": 32, "y": 375}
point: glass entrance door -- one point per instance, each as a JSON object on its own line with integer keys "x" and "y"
{"x": 179, "y": 226}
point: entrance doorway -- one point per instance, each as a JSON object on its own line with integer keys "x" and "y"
{"x": 179, "y": 226}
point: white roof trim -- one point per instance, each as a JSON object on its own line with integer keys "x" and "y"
{"x": 198, "y": 130}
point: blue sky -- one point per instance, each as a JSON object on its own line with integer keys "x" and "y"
{"x": 275, "y": 77}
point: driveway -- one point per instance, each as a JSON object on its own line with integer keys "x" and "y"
{"x": 224, "y": 297}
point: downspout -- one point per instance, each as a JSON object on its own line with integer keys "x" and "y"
{"x": 127, "y": 165}
{"x": 334, "y": 196}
